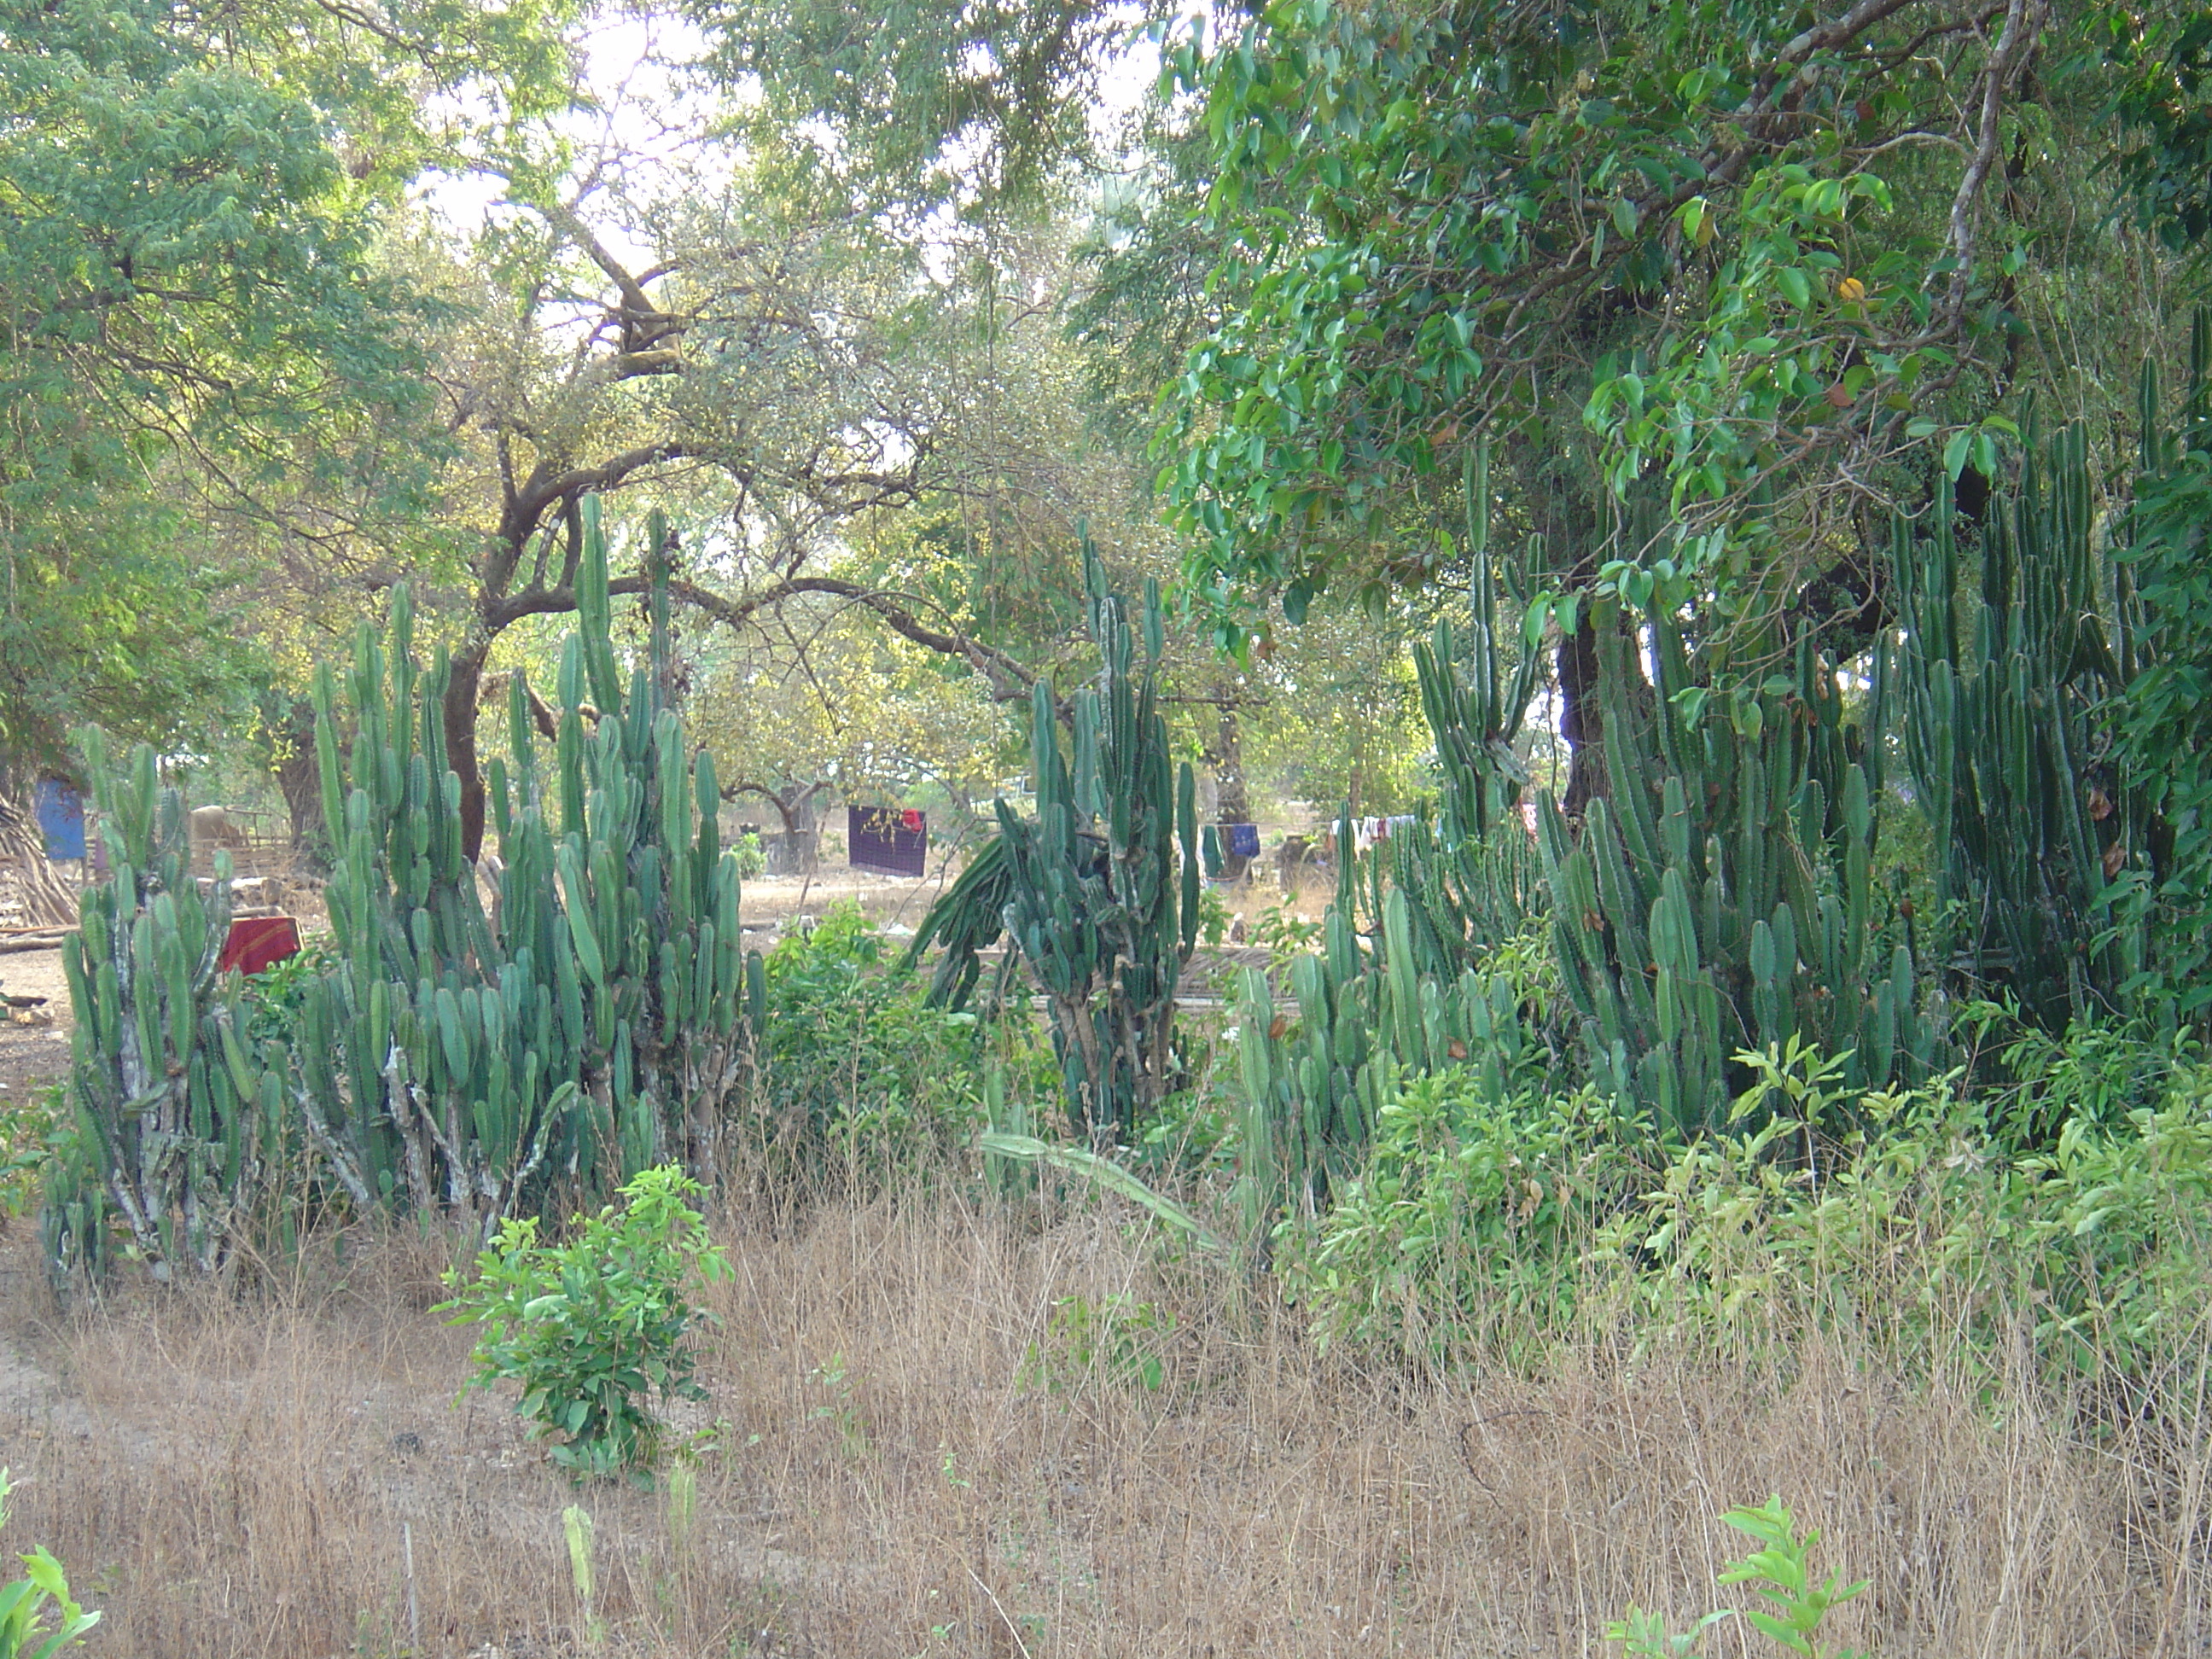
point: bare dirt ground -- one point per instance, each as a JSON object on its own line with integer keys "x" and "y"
{"x": 34, "y": 1045}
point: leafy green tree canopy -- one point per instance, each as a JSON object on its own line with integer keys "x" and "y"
{"x": 190, "y": 305}
{"x": 1743, "y": 251}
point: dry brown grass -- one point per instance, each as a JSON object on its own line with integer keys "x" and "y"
{"x": 238, "y": 1475}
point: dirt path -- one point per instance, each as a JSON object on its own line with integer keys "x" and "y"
{"x": 34, "y": 1045}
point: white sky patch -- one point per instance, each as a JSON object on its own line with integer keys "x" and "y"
{"x": 642, "y": 124}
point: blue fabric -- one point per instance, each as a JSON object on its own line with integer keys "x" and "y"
{"x": 60, "y": 813}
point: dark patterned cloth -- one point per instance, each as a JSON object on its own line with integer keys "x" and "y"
{"x": 888, "y": 840}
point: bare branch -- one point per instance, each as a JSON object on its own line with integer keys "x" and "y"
{"x": 2023, "y": 18}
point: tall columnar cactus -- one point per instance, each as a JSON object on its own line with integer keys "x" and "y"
{"x": 1358, "y": 1023}
{"x": 2163, "y": 727}
{"x": 397, "y": 1078}
{"x": 448, "y": 1062}
{"x": 1099, "y": 892}
{"x": 2008, "y": 692}
{"x": 650, "y": 898}
{"x": 1722, "y": 897}
{"x": 187, "y": 1121}
{"x": 596, "y": 1028}
{"x": 1473, "y": 705}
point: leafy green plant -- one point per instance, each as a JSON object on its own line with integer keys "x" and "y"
{"x": 1923, "y": 1229}
{"x": 2164, "y": 728}
{"x": 2097, "y": 1070}
{"x": 1795, "y": 1090}
{"x": 24, "y": 1629}
{"x": 27, "y": 1129}
{"x": 592, "y": 1326}
{"x": 1214, "y": 919}
{"x": 1116, "y": 1339}
{"x": 1779, "y": 1569}
{"x": 1469, "y": 1217}
{"x": 752, "y": 861}
{"x": 853, "y": 1051}
{"x": 1281, "y": 931}
{"x": 839, "y": 1408}
{"x": 275, "y": 996}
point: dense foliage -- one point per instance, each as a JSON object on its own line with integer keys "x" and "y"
{"x": 594, "y": 1326}
{"x": 197, "y": 326}
{"x": 860, "y": 1065}
{"x": 1681, "y": 454}
{"x": 2166, "y": 714}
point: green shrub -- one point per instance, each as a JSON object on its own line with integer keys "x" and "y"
{"x": 28, "y": 1128}
{"x": 751, "y": 859}
{"x": 592, "y": 1326}
{"x": 1469, "y": 1220}
{"x": 1781, "y": 1571}
{"x": 1919, "y": 1227}
{"x": 23, "y": 1627}
{"x": 1117, "y": 1339}
{"x": 853, "y": 1051}
{"x": 2099, "y": 1071}
{"x": 276, "y": 995}
{"x": 2164, "y": 720}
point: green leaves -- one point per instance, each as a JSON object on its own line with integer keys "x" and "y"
{"x": 2164, "y": 720}
{"x": 590, "y": 1327}
{"x": 25, "y": 1632}
{"x": 1779, "y": 1569}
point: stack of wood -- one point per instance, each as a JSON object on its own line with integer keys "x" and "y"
{"x": 34, "y": 893}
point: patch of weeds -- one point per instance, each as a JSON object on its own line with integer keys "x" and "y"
{"x": 841, "y": 1410}
{"x": 1779, "y": 1569}
{"x": 1117, "y": 1339}
{"x": 28, "y": 1132}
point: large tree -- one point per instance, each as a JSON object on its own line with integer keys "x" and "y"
{"x": 192, "y": 315}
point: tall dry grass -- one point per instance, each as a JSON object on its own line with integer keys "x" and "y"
{"x": 916, "y": 1459}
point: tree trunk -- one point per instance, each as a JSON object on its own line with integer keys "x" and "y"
{"x": 802, "y": 821}
{"x": 1226, "y": 756}
{"x": 460, "y": 720}
{"x": 1582, "y": 720}
{"x": 299, "y": 775}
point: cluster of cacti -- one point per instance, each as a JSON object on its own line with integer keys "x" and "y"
{"x": 667, "y": 992}
{"x": 444, "y": 1061}
{"x": 183, "y": 1126}
{"x": 1720, "y": 896}
{"x": 2163, "y": 732}
{"x": 385, "y": 1072}
{"x": 1098, "y": 892}
{"x": 1359, "y": 1022}
{"x": 1442, "y": 897}
{"x": 2007, "y": 743}
{"x": 1473, "y": 707}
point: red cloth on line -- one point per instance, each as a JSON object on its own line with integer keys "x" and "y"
{"x": 258, "y": 942}
{"x": 911, "y": 818}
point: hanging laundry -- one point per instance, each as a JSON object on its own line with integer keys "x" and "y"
{"x": 887, "y": 839}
